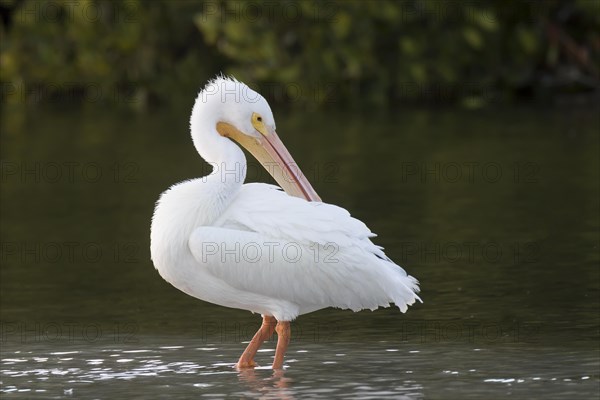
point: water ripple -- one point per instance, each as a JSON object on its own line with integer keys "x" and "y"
{"x": 376, "y": 371}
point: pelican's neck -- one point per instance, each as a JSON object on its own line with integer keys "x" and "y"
{"x": 223, "y": 155}
{"x": 228, "y": 170}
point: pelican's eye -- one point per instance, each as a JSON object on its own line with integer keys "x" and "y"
{"x": 259, "y": 125}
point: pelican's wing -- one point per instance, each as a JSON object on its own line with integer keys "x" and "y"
{"x": 266, "y": 209}
{"x": 314, "y": 254}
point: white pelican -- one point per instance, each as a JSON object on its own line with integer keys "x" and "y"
{"x": 256, "y": 247}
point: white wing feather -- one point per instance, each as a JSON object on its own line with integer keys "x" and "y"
{"x": 338, "y": 265}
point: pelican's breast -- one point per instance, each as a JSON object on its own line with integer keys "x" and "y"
{"x": 181, "y": 209}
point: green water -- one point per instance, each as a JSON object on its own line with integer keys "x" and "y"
{"x": 495, "y": 212}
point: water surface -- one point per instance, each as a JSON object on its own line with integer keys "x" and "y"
{"x": 495, "y": 212}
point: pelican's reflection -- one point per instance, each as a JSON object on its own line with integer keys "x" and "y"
{"x": 267, "y": 382}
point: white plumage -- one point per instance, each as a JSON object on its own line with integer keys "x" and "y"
{"x": 253, "y": 246}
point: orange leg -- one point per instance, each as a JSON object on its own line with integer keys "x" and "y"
{"x": 264, "y": 332}
{"x": 283, "y": 339}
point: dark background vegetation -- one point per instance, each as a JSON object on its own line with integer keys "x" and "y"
{"x": 317, "y": 53}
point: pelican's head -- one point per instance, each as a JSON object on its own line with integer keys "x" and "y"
{"x": 235, "y": 111}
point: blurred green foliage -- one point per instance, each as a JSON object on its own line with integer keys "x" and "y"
{"x": 312, "y": 52}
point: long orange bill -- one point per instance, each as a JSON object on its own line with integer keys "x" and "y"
{"x": 274, "y": 157}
